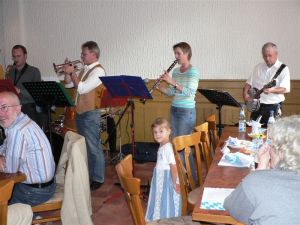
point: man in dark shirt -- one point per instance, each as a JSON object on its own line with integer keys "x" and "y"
{"x": 20, "y": 73}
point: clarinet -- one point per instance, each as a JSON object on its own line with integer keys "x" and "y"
{"x": 158, "y": 81}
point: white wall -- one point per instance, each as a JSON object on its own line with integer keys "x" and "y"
{"x": 1, "y": 35}
{"x": 136, "y": 36}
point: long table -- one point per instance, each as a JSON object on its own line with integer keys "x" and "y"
{"x": 220, "y": 177}
{"x": 16, "y": 177}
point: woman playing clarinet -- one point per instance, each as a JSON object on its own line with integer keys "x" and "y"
{"x": 182, "y": 85}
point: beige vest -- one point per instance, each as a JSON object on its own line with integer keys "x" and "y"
{"x": 91, "y": 100}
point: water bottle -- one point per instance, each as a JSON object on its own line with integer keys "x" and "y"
{"x": 242, "y": 120}
{"x": 271, "y": 121}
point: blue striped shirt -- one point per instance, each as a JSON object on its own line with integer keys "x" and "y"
{"x": 189, "y": 82}
{"x": 27, "y": 149}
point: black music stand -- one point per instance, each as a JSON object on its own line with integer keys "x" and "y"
{"x": 107, "y": 101}
{"x": 220, "y": 98}
{"x": 129, "y": 87}
{"x": 47, "y": 94}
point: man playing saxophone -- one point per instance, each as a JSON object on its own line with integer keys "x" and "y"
{"x": 87, "y": 101}
{"x": 22, "y": 72}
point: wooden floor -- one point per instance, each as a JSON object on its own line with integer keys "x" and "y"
{"x": 108, "y": 203}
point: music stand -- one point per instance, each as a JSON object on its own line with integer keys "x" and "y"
{"x": 107, "y": 101}
{"x": 220, "y": 98}
{"x": 129, "y": 87}
{"x": 47, "y": 94}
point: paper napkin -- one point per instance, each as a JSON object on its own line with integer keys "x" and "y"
{"x": 213, "y": 198}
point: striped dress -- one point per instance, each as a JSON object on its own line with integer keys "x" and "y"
{"x": 163, "y": 201}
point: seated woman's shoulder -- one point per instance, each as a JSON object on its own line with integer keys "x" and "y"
{"x": 270, "y": 176}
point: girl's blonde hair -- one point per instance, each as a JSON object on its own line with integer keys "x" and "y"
{"x": 285, "y": 139}
{"x": 160, "y": 122}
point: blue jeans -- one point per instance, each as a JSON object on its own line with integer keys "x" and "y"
{"x": 23, "y": 193}
{"x": 183, "y": 121}
{"x": 88, "y": 125}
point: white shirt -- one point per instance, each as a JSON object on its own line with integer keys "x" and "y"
{"x": 165, "y": 157}
{"x": 19, "y": 214}
{"x": 91, "y": 82}
{"x": 263, "y": 74}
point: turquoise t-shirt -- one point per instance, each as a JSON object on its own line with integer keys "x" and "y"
{"x": 189, "y": 82}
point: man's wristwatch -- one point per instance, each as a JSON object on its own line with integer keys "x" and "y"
{"x": 176, "y": 85}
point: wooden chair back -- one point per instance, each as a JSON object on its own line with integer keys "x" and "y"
{"x": 6, "y": 188}
{"x": 213, "y": 132}
{"x": 205, "y": 144}
{"x": 47, "y": 207}
{"x": 184, "y": 145}
{"x": 131, "y": 186}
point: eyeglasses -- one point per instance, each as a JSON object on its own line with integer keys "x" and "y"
{"x": 4, "y": 108}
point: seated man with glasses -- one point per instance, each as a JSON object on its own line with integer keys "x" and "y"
{"x": 25, "y": 149}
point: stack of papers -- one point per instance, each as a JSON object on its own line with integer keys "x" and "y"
{"x": 213, "y": 198}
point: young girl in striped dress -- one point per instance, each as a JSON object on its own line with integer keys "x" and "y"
{"x": 164, "y": 199}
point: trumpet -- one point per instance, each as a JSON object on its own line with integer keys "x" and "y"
{"x": 59, "y": 68}
{"x": 158, "y": 81}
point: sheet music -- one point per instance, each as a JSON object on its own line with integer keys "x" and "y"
{"x": 213, "y": 198}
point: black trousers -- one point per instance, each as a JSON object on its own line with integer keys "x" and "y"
{"x": 112, "y": 132}
{"x": 265, "y": 112}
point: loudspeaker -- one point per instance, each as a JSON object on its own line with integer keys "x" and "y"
{"x": 144, "y": 151}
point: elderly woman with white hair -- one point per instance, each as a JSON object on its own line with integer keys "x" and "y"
{"x": 271, "y": 195}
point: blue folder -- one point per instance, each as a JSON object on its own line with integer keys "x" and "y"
{"x": 126, "y": 86}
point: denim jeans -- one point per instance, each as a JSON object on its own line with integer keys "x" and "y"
{"x": 23, "y": 193}
{"x": 183, "y": 121}
{"x": 88, "y": 125}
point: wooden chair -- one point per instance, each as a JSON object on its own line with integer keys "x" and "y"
{"x": 205, "y": 144}
{"x": 54, "y": 204}
{"x": 213, "y": 133}
{"x": 131, "y": 186}
{"x": 189, "y": 191}
{"x": 6, "y": 188}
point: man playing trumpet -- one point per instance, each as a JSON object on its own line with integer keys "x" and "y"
{"x": 88, "y": 94}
